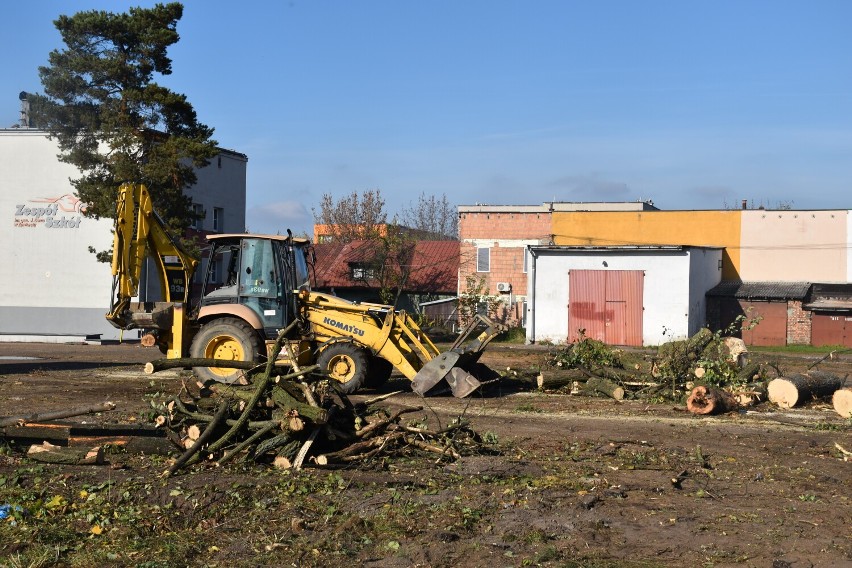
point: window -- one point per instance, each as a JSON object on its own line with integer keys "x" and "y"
{"x": 483, "y": 260}
{"x": 218, "y": 219}
{"x": 526, "y": 258}
{"x": 362, "y": 271}
{"x": 198, "y": 222}
{"x": 215, "y": 272}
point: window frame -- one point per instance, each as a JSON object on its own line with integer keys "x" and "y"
{"x": 198, "y": 223}
{"x": 487, "y": 259}
{"x": 218, "y": 219}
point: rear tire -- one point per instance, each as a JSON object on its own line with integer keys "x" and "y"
{"x": 230, "y": 339}
{"x": 345, "y": 364}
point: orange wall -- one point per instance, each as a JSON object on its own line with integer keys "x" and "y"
{"x": 696, "y": 228}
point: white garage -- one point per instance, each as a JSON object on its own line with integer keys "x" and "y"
{"x": 630, "y": 296}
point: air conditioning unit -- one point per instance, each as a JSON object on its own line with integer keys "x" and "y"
{"x": 504, "y": 287}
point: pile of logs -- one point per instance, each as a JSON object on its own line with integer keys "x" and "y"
{"x": 682, "y": 368}
{"x": 293, "y": 419}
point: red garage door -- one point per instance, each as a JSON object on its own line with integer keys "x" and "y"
{"x": 607, "y": 304}
{"x": 831, "y": 329}
{"x": 772, "y": 328}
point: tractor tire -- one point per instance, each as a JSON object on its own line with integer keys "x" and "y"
{"x": 231, "y": 339}
{"x": 346, "y": 364}
{"x": 380, "y": 372}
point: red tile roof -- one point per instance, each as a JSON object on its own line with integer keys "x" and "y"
{"x": 434, "y": 266}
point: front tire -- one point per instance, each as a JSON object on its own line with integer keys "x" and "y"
{"x": 345, "y": 364}
{"x": 230, "y": 339}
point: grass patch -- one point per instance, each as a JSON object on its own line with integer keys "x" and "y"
{"x": 528, "y": 407}
{"x": 512, "y": 335}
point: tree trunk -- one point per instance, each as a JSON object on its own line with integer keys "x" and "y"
{"x": 787, "y": 392}
{"x": 710, "y": 400}
{"x": 842, "y": 401}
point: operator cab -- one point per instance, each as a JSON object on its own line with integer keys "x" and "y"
{"x": 259, "y": 272}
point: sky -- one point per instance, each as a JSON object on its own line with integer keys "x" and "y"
{"x": 694, "y": 105}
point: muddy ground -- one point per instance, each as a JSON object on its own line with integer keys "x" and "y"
{"x": 577, "y": 482}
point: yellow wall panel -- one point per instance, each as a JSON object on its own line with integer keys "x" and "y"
{"x": 696, "y": 228}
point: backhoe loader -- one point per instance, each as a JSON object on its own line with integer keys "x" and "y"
{"x": 254, "y": 287}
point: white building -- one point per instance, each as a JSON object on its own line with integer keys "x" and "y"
{"x": 53, "y": 287}
{"x": 620, "y": 295}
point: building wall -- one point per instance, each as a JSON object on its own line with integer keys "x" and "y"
{"x": 705, "y": 272}
{"x": 848, "y": 246}
{"x": 696, "y": 228}
{"x": 666, "y": 290}
{"x": 506, "y": 234}
{"x": 798, "y": 324}
{"x": 53, "y": 286}
{"x": 807, "y": 246}
{"x": 222, "y": 184}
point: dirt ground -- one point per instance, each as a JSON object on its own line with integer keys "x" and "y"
{"x": 578, "y": 482}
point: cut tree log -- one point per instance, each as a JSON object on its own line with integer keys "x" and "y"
{"x": 787, "y": 392}
{"x": 749, "y": 373}
{"x": 606, "y": 387}
{"x": 557, "y": 379}
{"x": 188, "y": 362}
{"x": 710, "y": 400}
{"x": 48, "y": 453}
{"x": 842, "y": 401}
{"x": 750, "y": 394}
{"x": 57, "y": 414}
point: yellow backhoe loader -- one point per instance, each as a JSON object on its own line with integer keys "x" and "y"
{"x": 254, "y": 287}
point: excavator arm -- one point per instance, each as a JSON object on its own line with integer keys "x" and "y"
{"x": 140, "y": 233}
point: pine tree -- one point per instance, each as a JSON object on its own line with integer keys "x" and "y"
{"x": 112, "y": 120}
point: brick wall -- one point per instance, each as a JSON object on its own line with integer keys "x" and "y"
{"x": 496, "y": 231}
{"x": 505, "y": 226}
{"x": 798, "y": 324}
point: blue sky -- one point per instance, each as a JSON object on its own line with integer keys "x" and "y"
{"x": 695, "y": 105}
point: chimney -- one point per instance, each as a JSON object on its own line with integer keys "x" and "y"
{"x": 745, "y": 203}
{"x": 25, "y": 110}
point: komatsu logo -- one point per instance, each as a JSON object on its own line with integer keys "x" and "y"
{"x": 342, "y": 326}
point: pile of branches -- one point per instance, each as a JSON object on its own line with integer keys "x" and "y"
{"x": 593, "y": 368}
{"x": 295, "y": 418}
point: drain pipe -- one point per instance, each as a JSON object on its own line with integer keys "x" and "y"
{"x": 531, "y": 296}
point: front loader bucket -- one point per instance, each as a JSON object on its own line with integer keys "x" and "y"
{"x": 453, "y": 368}
{"x": 433, "y": 372}
{"x": 454, "y": 365}
{"x": 461, "y": 382}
